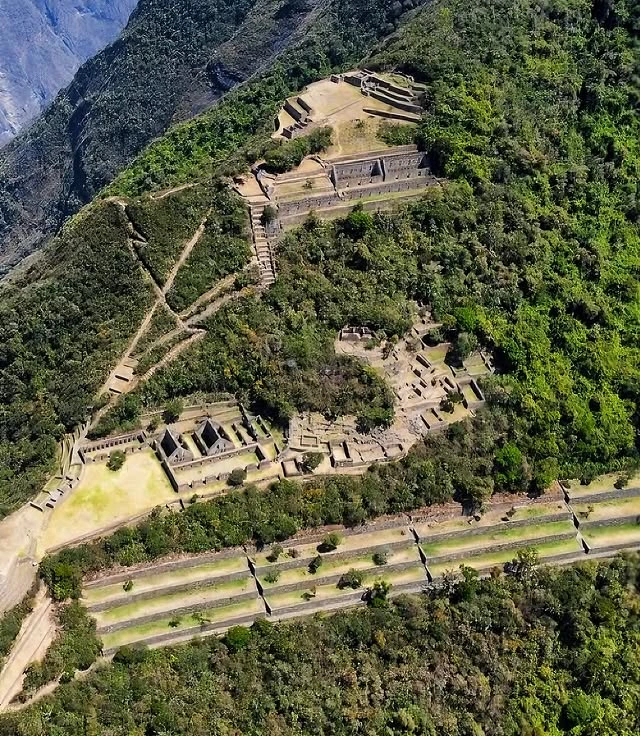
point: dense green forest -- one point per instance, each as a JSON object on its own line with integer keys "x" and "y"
{"x": 548, "y": 652}
{"x": 62, "y": 323}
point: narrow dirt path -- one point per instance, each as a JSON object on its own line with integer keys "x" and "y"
{"x": 174, "y": 190}
{"x": 224, "y": 283}
{"x": 161, "y": 299}
{"x": 173, "y": 354}
{"x": 186, "y": 252}
{"x": 36, "y": 634}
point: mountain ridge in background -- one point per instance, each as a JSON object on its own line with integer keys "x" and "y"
{"x": 174, "y": 60}
{"x": 42, "y": 44}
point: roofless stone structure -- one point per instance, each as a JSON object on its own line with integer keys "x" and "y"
{"x": 211, "y": 440}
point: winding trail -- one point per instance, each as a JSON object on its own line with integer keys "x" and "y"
{"x": 37, "y": 633}
{"x": 174, "y": 190}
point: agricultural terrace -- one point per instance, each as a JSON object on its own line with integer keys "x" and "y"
{"x": 608, "y": 517}
{"x": 333, "y": 568}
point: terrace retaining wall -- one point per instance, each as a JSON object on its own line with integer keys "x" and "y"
{"x": 192, "y": 632}
{"x": 318, "y": 579}
{"x": 612, "y": 495}
{"x": 168, "y": 590}
{"x": 438, "y": 559}
{"x": 179, "y": 611}
{"x": 480, "y": 530}
{"x": 137, "y": 573}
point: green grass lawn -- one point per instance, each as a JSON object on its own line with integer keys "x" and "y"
{"x": 490, "y": 559}
{"x": 174, "y": 577}
{"x": 161, "y": 603}
{"x": 607, "y": 509}
{"x": 605, "y": 536}
{"x": 501, "y": 535}
{"x": 141, "y": 632}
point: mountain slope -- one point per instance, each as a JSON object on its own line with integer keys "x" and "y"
{"x": 55, "y": 342}
{"x": 173, "y": 60}
{"x": 42, "y": 44}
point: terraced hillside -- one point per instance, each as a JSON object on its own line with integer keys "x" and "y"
{"x": 608, "y": 518}
{"x": 330, "y": 569}
{"x": 174, "y": 60}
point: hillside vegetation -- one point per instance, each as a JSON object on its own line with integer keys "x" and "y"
{"x": 102, "y": 305}
{"x": 553, "y": 652}
{"x": 175, "y": 59}
{"x": 532, "y": 249}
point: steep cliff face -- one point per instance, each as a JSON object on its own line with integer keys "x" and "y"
{"x": 42, "y": 44}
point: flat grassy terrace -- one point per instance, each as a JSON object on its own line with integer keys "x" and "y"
{"x": 105, "y": 498}
{"x": 315, "y": 594}
{"x": 602, "y": 484}
{"x": 158, "y": 581}
{"x": 139, "y": 633}
{"x": 499, "y": 517}
{"x": 349, "y": 543}
{"x": 602, "y": 510}
{"x": 501, "y": 535}
{"x": 487, "y": 560}
{"x": 607, "y": 536}
{"x": 171, "y": 601}
{"x": 336, "y": 566}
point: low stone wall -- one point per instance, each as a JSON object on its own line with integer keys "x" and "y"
{"x": 554, "y": 560}
{"x": 102, "y": 456}
{"x": 179, "y": 611}
{"x": 198, "y": 630}
{"x": 319, "y": 579}
{"x": 210, "y": 459}
{"x": 158, "y": 568}
{"x": 612, "y": 495}
{"x": 480, "y": 530}
{"x": 406, "y": 117}
{"x": 169, "y": 589}
{"x": 309, "y": 608}
{"x": 111, "y": 442}
{"x": 612, "y": 549}
{"x": 617, "y": 521}
{"x": 291, "y": 563}
{"x": 520, "y": 544}
{"x": 405, "y": 105}
{"x": 298, "y": 115}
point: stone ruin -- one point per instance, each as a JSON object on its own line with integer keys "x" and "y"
{"x": 355, "y": 334}
{"x": 340, "y": 181}
{"x": 212, "y": 439}
{"x": 173, "y": 448}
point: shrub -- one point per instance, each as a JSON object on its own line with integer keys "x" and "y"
{"x": 275, "y": 552}
{"x": 237, "y": 477}
{"x": 172, "y": 410}
{"x": 378, "y": 594}
{"x": 269, "y": 214}
{"x": 314, "y": 565}
{"x": 272, "y": 577}
{"x": 351, "y": 579}
{"x": 237, "y": 638}
{"x": 311, "y": 460}
{"x": 330, "y": 542}
{"x": 381, "y": 558}
{"x": 116, "y": 460}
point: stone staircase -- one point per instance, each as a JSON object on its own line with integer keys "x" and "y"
{"x": 263, "y": 249}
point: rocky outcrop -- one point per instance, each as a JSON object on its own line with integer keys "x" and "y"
{"x": 42, "y": 44}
